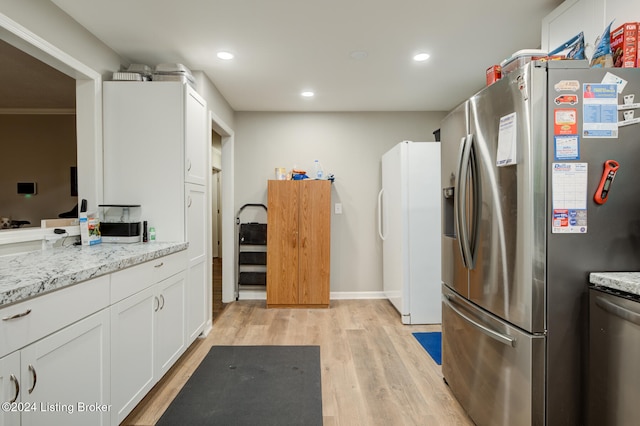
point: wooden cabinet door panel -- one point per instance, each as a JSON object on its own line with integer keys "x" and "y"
{"x": 315, "y": 242}
{"x": 282, "y": 242}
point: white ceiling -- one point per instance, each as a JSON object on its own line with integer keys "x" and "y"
{"x": 285, "y": 46}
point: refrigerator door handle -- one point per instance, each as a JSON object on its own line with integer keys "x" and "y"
{"x": 502, "y": 338}
{"x": 618, "y": 311}
{"x": 472, "y": 240}
{"x": 380, "y": 214}
{"x": 461, "y": 201}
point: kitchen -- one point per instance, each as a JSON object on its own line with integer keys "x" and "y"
{"x": 254, "y": 126}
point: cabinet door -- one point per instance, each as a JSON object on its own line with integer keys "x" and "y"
{"x": 315, "y": 242}
{"x": 196, "y": 302}
{"x": 199, "y": 260}
{"x": 282, "y": 242}
{"x": 196, "y": 141}
{"x": 132, "y": 340}
{"x": 144, "y": 151}
{"x": 68, "y": 375}
{"x": 170, "y": 323}
{"x": 10, "y": 389}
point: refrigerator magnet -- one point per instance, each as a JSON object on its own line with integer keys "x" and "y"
{"x": 569, "y": 198}
{"x": 600, "y": 110}
{"x": 566, "y": 147}
{"x": 567, "y": 85}
{"x": 565, "y": 121}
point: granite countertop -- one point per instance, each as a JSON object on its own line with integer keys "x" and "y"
{"x": 624, "y": 281}
{"x": 32, "y": 274}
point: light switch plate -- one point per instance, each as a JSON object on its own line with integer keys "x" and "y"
{"x": 338, "y": 208}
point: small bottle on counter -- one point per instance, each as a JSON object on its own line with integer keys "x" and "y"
{"x": 152, "y": 234}
{"x": 145, "y": 236}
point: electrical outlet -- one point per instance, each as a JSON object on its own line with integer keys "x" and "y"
{"x": 338, "y": 208}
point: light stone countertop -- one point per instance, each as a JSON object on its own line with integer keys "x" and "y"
{"x": 31, "y": 274}
{"x": 624, "y": 281}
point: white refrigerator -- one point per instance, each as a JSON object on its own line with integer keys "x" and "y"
{"x": 409, "y": 224}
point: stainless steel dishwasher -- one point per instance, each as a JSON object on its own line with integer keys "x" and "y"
{"x": 614, "y": 357}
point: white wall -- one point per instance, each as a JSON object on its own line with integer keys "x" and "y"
{"x": 47, "y": 21}
{"x": 215, "y": 101}
{"x": 350, "y": 146}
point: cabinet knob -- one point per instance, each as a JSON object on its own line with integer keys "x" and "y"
{"x": 162, "y": 299}
{"x": 189, "y": 201}
{"x": 188, "y": 165}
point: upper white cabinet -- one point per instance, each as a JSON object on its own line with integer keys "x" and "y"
{"x": 589, "y": 16}
{"x": 155, "y": 141}
{"x": 196, "y": 169}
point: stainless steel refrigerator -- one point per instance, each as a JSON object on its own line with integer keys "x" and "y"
{"x": 528, "y": 210}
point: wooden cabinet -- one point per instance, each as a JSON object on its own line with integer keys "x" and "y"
{"x": 298, "y": 243}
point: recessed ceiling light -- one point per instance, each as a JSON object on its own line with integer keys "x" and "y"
{"x": 420, "y": 57}
{"x": 225, "y": 55}
{"x": 307, "y": 94}
{"x": 358, "y": 55}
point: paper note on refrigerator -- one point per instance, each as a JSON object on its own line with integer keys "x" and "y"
{"x": 569, "y": 198}
{"x": 507, "y": 140}
{"x": 600, "y": 111}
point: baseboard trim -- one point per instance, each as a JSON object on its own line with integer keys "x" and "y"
{"x": 335, "y": 295}
{"x": 351, "y": 295}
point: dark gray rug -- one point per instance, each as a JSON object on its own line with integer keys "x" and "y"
{"x": 251, "y": 385}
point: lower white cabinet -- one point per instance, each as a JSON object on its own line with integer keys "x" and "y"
{"x": 87, "y": 354}
{"x": 147, "y": 337}
{"x": 197, "y": 254}
{"x": 63, "y": 378}
{"x": 10, "y": 388}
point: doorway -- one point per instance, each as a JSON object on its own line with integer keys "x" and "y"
{"x": 216, "y": 224}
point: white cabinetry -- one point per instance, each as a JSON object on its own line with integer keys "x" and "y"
{"x": 589, "y": 16}
{"x": 147, "y": 329}
{"x": 156, "y": 153}
{"x": 197, "y": 202}
{"x": 10, "y": 387}
{"x": 60, "y": 362}
{"x": 66, "y": 376}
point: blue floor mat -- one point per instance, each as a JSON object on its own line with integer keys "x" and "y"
{"x": 432, "y": 343}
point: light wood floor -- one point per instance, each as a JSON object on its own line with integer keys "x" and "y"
{"x": 374, "y": 372}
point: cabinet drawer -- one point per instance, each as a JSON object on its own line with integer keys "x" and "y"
{"x": 168, "y": 266}
{"x": 42, "y": 315}
{"x": 130, "y": 281}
